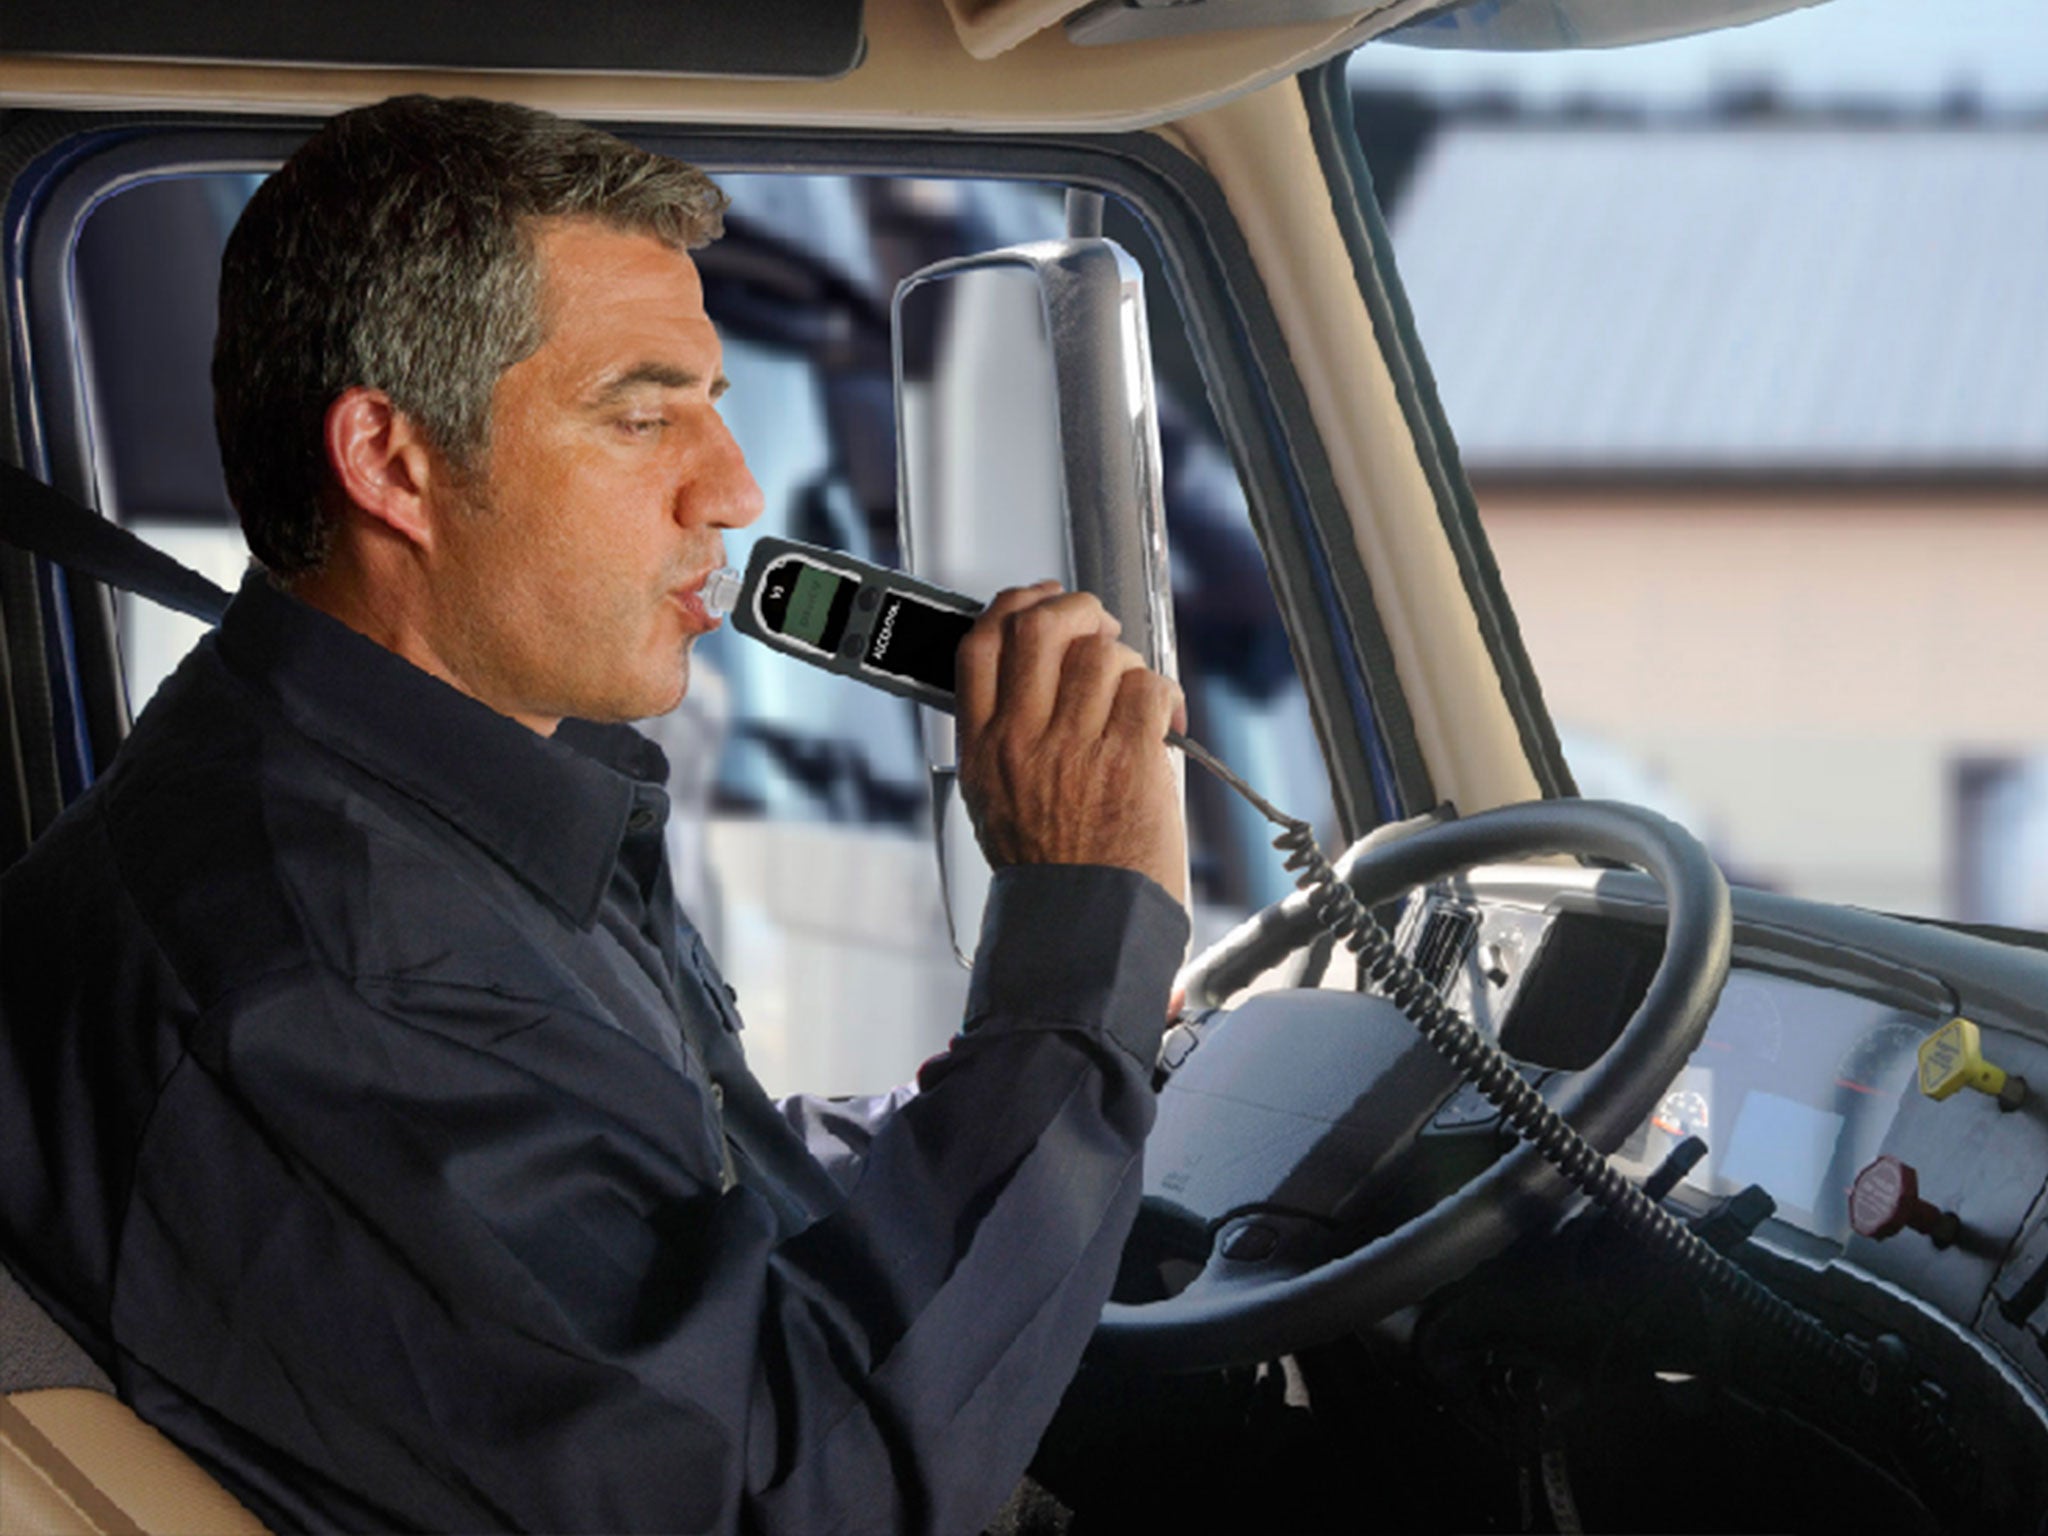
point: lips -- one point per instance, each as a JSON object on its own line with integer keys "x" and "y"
{"x": 690, "y": 598}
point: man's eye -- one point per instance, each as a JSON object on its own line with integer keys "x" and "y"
{"x": 643, "y": 426}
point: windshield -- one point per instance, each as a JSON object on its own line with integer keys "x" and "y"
{"x": 1744, "y": 343}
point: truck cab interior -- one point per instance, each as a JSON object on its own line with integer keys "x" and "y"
{"x": 1596, "y": 1196}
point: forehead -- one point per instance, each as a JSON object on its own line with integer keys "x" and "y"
{"x": 599, "y": 275}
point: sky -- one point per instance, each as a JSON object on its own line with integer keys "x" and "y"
{"x": 1907, "y": 53}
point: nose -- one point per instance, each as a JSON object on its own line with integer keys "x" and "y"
{"x": 724, "y": 493}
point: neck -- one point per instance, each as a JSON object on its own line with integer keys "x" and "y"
{"x": 395, "y": 614}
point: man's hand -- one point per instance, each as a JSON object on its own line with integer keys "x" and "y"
{"x": 1062, "y": 740}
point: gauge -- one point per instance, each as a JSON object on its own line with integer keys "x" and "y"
{"x": 1683, "y": 1113}
{"x": 1880, "y": 1061}
{"x": 1747, "y": 1021}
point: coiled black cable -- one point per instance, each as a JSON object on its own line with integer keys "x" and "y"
{"x": 1337, "y": 909}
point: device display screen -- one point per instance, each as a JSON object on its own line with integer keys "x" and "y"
{"x": 917, "y": 640}
{"x": 807, "y": 602}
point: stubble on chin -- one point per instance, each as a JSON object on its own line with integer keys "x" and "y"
{"x": 651, "y": 702}
{"x": 682, "y": 675}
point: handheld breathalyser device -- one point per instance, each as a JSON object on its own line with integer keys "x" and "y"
{"x": 875, "y": 625}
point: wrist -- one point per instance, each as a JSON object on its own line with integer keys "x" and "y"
{"x": 1088, "y": 944}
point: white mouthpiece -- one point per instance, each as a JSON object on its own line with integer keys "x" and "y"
{"x": 722, "y": 591}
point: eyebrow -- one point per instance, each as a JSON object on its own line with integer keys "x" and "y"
{"x": 656, "y": 375}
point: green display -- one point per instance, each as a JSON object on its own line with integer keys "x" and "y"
{"x": 810, "y": 605}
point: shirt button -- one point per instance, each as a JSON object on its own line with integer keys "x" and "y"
{"x": 643, "y": 819}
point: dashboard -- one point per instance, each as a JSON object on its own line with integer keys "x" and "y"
{"x": 1793, "y": 1089}
{"x": 1286, "y": 1135}
{"x": 1320, "y": 1179}
{"x": 1807, "y": 1075}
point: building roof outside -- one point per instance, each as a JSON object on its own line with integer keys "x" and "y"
{"x": 1748, "y": 297}
{"x": 1906, "y": 54}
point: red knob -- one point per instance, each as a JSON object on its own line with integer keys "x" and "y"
{"x": 1885, "y": 1200}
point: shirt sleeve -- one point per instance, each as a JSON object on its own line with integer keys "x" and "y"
{"x": 468, "y": 1256}
{"x": 837, "y": 1132}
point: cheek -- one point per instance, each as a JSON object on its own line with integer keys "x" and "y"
{"x": 585, "y": 535}
{"x": 580, "y": 524}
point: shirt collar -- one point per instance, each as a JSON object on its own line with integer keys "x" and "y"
{"x": 551, "y": 809}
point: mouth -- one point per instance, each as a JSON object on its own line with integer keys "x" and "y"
{"x": 689, "y": 597}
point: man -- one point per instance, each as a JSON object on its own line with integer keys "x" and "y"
{"x": 367, "y": 1106}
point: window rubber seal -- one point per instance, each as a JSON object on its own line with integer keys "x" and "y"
{"x": 1327, "y": 96}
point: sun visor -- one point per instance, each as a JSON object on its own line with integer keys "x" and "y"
{"x": 1130, "y": 21}
{"x": 1509, "y": 26}
{"x": 807, "y": 39}
{"x": 991, "y": 27}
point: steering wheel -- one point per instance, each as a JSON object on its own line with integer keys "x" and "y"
{"x": 1295, "y": 1114}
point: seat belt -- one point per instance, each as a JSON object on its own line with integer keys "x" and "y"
{"x": 44, "y": 522}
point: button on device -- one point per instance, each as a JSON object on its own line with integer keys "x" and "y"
{"x": 867, "y": 597}
{"x": 1952, "y": 1059}
{"x": 1885, "y": 1200}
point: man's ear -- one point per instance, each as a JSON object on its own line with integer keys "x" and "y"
{"x": 381, "y": 463}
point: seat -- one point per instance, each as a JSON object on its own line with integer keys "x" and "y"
{"x": 75, "y": 1460}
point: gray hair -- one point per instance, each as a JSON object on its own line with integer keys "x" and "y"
{"x": 396, "y": 250}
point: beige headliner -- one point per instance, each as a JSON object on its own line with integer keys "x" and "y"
{"x": 917, "y": 74}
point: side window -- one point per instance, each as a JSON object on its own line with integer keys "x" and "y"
{"x": 801, "y": 839}
{"x": 145, "y": 273}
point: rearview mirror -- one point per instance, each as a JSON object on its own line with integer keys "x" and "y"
{"x": 1027, "y": 447}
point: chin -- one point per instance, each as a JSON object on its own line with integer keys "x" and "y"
{"x": 658, "y": 697}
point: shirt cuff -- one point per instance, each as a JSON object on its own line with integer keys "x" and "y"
{"x": 1081, "y": 943}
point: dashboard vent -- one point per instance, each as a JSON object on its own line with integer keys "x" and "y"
{"x": 1442, "y": 940}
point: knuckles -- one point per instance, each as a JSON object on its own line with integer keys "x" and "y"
{"x": 1143, "y": 696}
{"x": 1031, "y": 627}
{"x": 979, "y": 646}
{"x": 1057, "y": 619}
{"x": 1101, "y": 654}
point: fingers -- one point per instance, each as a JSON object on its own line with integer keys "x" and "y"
{"x": 974, "y": 683}
{"x": 1036, "y": 643}
{"x": 1013, "y": 659}
{"x": 1062, "y": 740}
{"x": 1147, "y": 706}
{"x": 1091, "y": 673}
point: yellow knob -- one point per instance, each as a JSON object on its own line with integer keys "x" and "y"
{"x": 1952, "y": 1058}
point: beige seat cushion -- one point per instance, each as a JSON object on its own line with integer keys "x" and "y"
{"x": 80, "y": 1463}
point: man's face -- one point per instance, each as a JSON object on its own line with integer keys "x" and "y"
{"x": 567, "y": 573}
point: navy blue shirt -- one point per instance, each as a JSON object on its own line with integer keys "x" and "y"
{"x": 370, "y": 1111}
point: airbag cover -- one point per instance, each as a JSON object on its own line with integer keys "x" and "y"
{"x": 1292, "y": 1101}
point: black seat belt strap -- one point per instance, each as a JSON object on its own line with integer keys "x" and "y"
{"x": 50, "y": 524}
